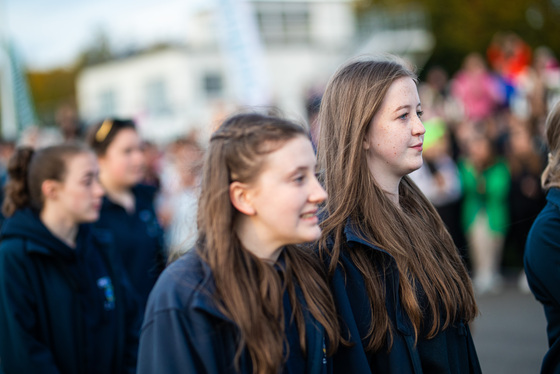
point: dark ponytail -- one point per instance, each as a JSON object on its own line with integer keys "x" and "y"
{"x": 28, "y": 169}
{"x": 17, "y": 194}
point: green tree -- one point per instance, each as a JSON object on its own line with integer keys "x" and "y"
{"x": 460, "y": 27}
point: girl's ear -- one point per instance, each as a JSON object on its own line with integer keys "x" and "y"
{"x": 239, "y": 194}
{"x": 50, "y": 188}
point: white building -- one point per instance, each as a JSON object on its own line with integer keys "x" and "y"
{"x": 173, "y": 90}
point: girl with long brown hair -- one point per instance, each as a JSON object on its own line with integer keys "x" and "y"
{"x": 400, "y": 286}
{"x": 245, "y": 299}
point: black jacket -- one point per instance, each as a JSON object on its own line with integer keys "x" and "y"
{"x": 185, "y": 332}
{"x": 450, "y": 352}
{"x": 542, "y": 266}
{"x": 138, "y": 239}
{"x": 63, "y": 310}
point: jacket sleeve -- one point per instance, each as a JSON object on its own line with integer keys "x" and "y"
{"x": 167, "y": 346}
{"x": 542, "y": 259}
{"x": 21, "y": 351}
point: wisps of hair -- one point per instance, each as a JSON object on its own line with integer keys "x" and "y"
{"x": 551, "y": 174}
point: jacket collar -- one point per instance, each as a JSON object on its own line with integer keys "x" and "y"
{"x": 354, "y": 236}
{"x": 553, "y": 196}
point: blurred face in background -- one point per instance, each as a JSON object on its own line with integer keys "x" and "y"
{"x": 78, "y": 196}
{"x": 123, "y": 163}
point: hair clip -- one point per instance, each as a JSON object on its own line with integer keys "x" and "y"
{"x": 104, "y": 130}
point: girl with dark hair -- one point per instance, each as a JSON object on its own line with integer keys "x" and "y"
{"x": 128, "y": 206}
{"x": 63, "y": 300}
{"x": 399, "y": 284}
{"x": 246, "y": 300}
{"x": 542, "y": 251}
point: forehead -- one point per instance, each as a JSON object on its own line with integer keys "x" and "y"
{"x": 402, "y": 91}
{"x": 81, "y": 164}
{"x": 292, "y": 154}
{"x": 125, "y": 136}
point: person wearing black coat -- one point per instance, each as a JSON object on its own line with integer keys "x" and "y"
{"x": 542, "y": 250}
{"x": 127, "y": 210}
{"x": 247, "y": 299}
{"x": 401, "y": 289}
{"x": 63, "y": 294}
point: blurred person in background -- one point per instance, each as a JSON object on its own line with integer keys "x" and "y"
{"x": 247, "y": 299}
{"x": 179, "y": 204}
{"x": 477, "y": 89}
{"x": 526, "y": 197}
{"x": 68, "y": 123}
{"x": 485, "y": 182}
{"x": 152, "y": 159}
{"x": 6, "y": 151}
{"x": 438, "y": 179}
{"x": 542, "y": 251}
{"x": 128, "y": 206}
{"x": 64, "y": 301}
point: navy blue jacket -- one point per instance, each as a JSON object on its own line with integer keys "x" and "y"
{"x": 542, "y": 266}
{"x": 185, "y": 332}
{"x": 63, "y": 310}
{"x": 138, "y": 238}
{"x": 451, "y": 351}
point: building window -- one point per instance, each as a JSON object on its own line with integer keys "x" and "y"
{"x": 213, "y": 85}
{"x": 284, "y": 22}
{"x": 107, "y": 103}
{"x": 157, "y": 103}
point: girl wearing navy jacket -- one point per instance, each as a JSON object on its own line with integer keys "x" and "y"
{"x": 542, "y": 250}
{"x": 128, "y": 209}
{"x": 62, "y": 297}
{"x": 401, "y": 289}
{"x": 245, "y": 299}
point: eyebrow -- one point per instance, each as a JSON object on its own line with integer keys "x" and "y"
{"x": 407, "y": 107}
{"x": 299, "y": 170}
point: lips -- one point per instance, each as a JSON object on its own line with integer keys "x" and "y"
{"x": 417, "y": 146}
{"x": 309, "y": 215}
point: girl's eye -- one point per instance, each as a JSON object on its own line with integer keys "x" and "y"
{"x": 404, "y": 116}
{"x": 299, "y": 179}
{"x": 420, "y": 113}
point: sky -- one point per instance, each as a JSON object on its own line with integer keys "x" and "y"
{"x": 50, "y": 33}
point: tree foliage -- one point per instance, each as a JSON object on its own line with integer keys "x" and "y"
{"x": 460, "y": 27}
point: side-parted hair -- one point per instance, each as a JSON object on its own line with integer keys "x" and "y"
{"x": 28, "y": 169}
{"x": 101, "y": 135}
{"x": 415, "y": 236}
{"x": 551, "y": 174}
{"x": 249, "y": 290}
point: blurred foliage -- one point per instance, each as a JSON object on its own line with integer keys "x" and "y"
{"x": 460, "y": 27}
{"x": 50, "y": 89}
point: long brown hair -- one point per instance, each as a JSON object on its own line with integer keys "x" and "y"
{"x": 413, "y": 235}
{"x": 249, "y": 290}
{"x": 551, "y": 174}
{"x": 28, "y": 169}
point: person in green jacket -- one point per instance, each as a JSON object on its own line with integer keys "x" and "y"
{"x": 485, "y": 180}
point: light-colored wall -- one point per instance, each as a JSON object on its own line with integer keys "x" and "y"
{"x": 292, "y": 69}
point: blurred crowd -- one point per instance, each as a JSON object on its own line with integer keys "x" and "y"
{"x": 483, "y": 156}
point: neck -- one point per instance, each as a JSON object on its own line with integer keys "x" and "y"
{"x": 391, "y": 189}
{"x": 119, "y": 194}
{"x": 111, "y": 187}
{"x": 255, "y": 242}
{"x": 62, "y": 227}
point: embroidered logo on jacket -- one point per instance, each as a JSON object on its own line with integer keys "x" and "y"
{"x": 105, "y": 284}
